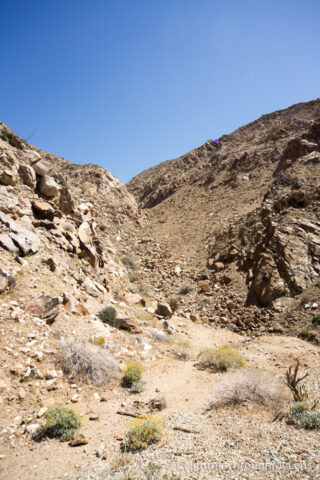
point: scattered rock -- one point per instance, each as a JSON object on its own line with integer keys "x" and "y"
{"x": 78, "y": 439}
{"x": 45, "y": 307}
{"x": 164, "y": 310}
{"x": 7, "y": 281}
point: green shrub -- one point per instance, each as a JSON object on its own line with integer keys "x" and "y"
{"x": 108, "y": 315}
{"x": 301, "y": 415}
{"x": 144, "y": 432}
{"x": 137, "y": 387}
{"x": 307, "y": 333}
{"x": 132, "y": 374}
{"x": 185, "y": 289}
{"x": 129, "y": 261}
{"x": 220, "y": 359}
{"x": 174, "y": 303}
{"x": 316, "y": 319}
{"x": 62, "y": 423}
{"x": 100, "y": 340}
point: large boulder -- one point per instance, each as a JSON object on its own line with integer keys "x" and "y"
{"x": 8, "y": 176}
{"x": 48, "y": 187}
{"x": 42, "y": 167}
{"x": 28, "y": 176}
{"x": 43, "y": 210}
{"x": 15, "y": 235}
{"x": 164, "y": 310}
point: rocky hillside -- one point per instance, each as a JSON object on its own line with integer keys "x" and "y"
{"x": 216, "y": 250}
{"x": 243, "y": 212}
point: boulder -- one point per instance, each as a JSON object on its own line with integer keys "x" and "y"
{"x": 164, "y": 310}
{"x": 129, "y": 324}
{"x": 45, "y": 307}
{"x": 48, "y": 187}
{"x": 28, "y": 176}
{"x": 7, "y": 243}
{"x": 7, "y": 281}
{"x": 78, "y": 439}
{"x": 25, "y": 240}
{"x": 8, "y": 177}
{"x": 43, "y": 210}
{"x": 132, "y": 298}
{"x": 42, "y": 167}
{"x": 65, "y": 203}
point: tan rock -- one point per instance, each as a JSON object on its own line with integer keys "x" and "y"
{"x": 78, "y": 439}
{"x": 28, "y": 176}
{"x": 48, "y": 187}
{"x": 204, "y": 286}
{"x": 42, "y": 167}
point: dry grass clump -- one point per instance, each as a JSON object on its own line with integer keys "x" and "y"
{"x": 250, "y": 386}
{"x": 220, "y": 359}
{"x": 84, "y": 360}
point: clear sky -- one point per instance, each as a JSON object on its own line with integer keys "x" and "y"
{"x": 127, "y": 84}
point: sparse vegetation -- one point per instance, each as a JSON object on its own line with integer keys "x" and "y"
{"x": 59, "y": 179}
{"x": 316, "y": 319}
{"x": 299, "y": 392}
{"x": 256, "y": 333}
{"x": 62, "y": 423}
{"x": 108, "y": 315}
{"x": 130, "y": 262}
{"x": 182, "y": 351}
{"x": 133, "y": 276}
{"x": 308, "y": 333}
{"x": 174, "y": 303}
{"x": 144, "y": 432}
{"x": 220, "y": 359}
{"x": 302, "y": 415}
{"x": 132, "y": 375}
{"x": 83, "y": 360}
{"x": 250, "y": 386}
{"x": 120, "y": 462}
{"x": 100, "y": 340}
{"x": 137, "y": 387}
{"x": 12, "y": 138}
{"x": 185, "y": 289}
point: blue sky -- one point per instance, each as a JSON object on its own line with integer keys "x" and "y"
{"x": 127, "y": 84}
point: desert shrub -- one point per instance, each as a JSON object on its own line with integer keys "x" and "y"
{"x": 108, "y": 315}
{"x": 185, "y": 289}
{"x": 256, "y": 333}
{"x": 137, "y": 387}
{"x": 120, "y": 462}
{"x": 12, "y": 138}
{"x": 220, "y": 359}
{"x": 100, "y": 340}
{"x": 301, "y": 415}
{"x": 82, "y": 359}
{"x": 129, "y": 261}
{"x": 250, "y": 386}
{"x": 183, "y": 350}
{"x": 59, "y": 179}
{"x": 62, "y": 423}
{"x": 316, "y": 319}
{"x": 133, "y": 276}
{"x": 144, "y": 432}
{"x": 132, "y": 374}
{"x": 307, "y": 333}
{"x": 174, "y": 303}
